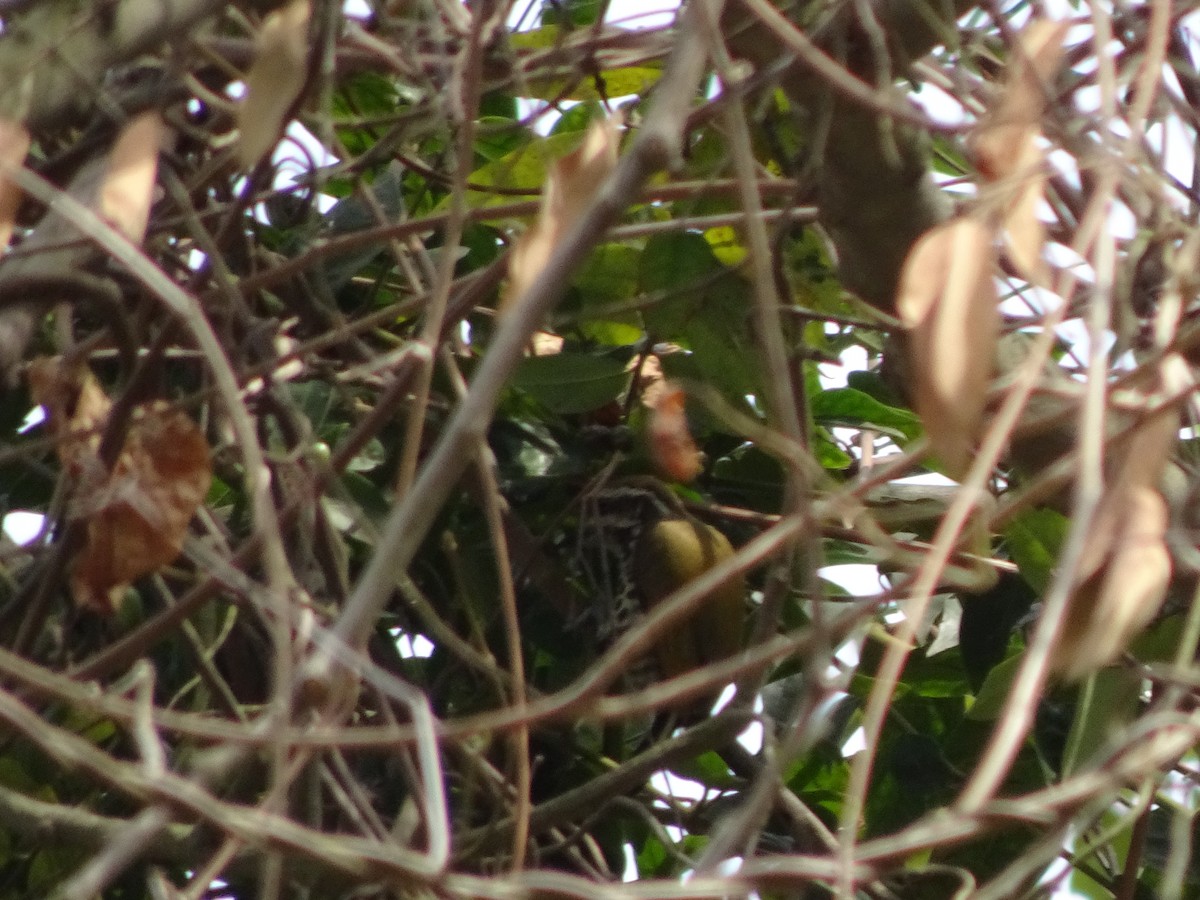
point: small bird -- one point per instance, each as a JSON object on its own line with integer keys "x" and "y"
{"x": 637, "y": 545}
{"x": 670, "y": 553}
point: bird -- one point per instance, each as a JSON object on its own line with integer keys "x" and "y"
{"x": 670, "y": 553}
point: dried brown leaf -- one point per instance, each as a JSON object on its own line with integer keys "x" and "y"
{"x": 1113, "y": 603}
{"x": 127, "y": 190}
{"x": 14, "y": 145}
{"x": 570, "y": 187}
{"x": 1001, "y": 141}
{"x": 274, "y": 81}
{"x": 671, "y": 445}
{"x": 947, "y": 300}
{"x": 136, "y": 515}
{"x": 76, "y": 408}
{"x": 1135, "y": 461}
{"x": 1139, "y": 459}
{"x": 1025, "y": 234}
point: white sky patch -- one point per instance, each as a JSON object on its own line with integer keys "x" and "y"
{"x": 672, "y": 785}
{"x": 22, "y": 526}
{"x": 940, "y": 106}
{"x": 296, "y": 156}
{"x": 752, "y": 737}
{"x": 295, "y": 159}
{"x": 631, "y": 868}
{"x": 857, "y": 579}
{"x": 1074, "y": 333}
{"x": 1064, "y": 164}
{"x": 413, "y": 646}
{"x": 33, "y": 419}
{"x": 633, "y": 15}
{"x": 926, "y": 478}
{"x": 856, "y": 743}
{"x": 1023, "y": 300}
{"x": 637, "y": 15}
{"x": 833, "y": 375}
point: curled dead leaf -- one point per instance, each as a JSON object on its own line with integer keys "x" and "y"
{"x": 671, "y": 445}
{"x": 127, "y": 190}
{"x": 1138, "y": 459}
{"x": 570, "y": 187}
{"x": 136, "y": 515}
{"x": 1117, "y": 596}
{"x": 1000, "y": 143}
{"x": 274, "y": 81}
{"x": 947, "y": 300}
{"x": 1004, "y": 145}
{"x": 76, "y": 409}
{"x": 1024, "y": 232}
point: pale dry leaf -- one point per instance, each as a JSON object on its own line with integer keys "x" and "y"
{"x": 275, "y": 80}
{"x": 672, "y": 448}
{"x": 1003, "y": 137}
{"x": 136, "y": 515}
{"x": 76, "y": 409}
{"x": 1111, "y": 605}
{"x": 1025, "y": 234}
{"x": 1138, "y": 460}
{"x": 14, "y": 145}
{"x": 543, "y": 343}
{"x": 127, "y": 191}
{"x": 947, "y": 300}
{"x": 571, "y": 185}
{"x": 651, "y": 382}
{"x": 1135, "y": 459}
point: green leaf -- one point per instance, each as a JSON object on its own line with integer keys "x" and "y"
{"x": 578, "y": 118}
{"x": 708, "y": 769}
{"x": 1108, "y": 702}
{"x": 1159, "y": 642}
{"x": 611, "y": 332}
{"x": 652, "y": 860}
{"x": 53, "y": 865}
{"x": 871, "y": 383}
{"x": 573, "y": 382}
{"x": 609, "y": 275}
{"x": 672, "y": 264}
{"x": 498, "y": 137}
{"x": 847, "y": 406}
{"x": 606, "y": 85}
{"x": 1034, "y": 539}
{"x": 726, "y": 245}
{"x": 523, "y": 171}
{"x": 751, "y": 477}
{"x": 991, "y": 697}
{"x": 830, "y": 455}
{"x": 573, "y": 12}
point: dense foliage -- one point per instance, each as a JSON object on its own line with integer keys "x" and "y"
{"x": 491, "y": 524}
